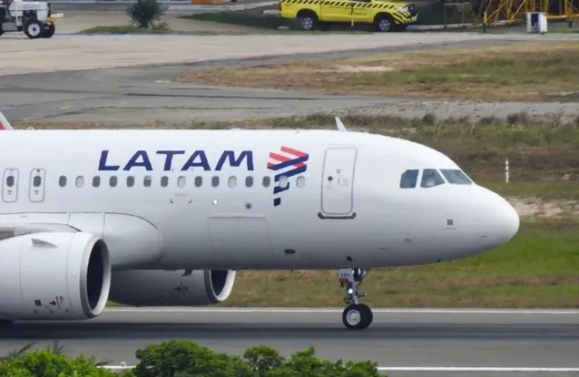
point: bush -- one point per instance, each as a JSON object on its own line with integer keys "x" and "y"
{"x": 185, "y": 359}
{"x": 51, "y": 362}
{"x": 144, "y": 12}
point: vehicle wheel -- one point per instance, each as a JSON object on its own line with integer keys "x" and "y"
{"x": 48, "y": 31}
{"x": 308, "y": 21}
{"x": 384, "y": 23}
{"x": 357, "y": 316}
{"x": 33, "y": 29}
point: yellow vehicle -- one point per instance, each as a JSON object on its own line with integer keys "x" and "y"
{"x": 383, "y": 15}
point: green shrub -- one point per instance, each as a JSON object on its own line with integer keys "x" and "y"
{"x": 184, "y": 359}
{"x": 144, "y": 12}
{"x": 52, "y": 362}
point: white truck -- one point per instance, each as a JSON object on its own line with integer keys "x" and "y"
{"x": 34, "y": 18}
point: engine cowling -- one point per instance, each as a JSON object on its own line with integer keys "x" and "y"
{"x": 171, "y": 288}
{"x": 53, "y": 276}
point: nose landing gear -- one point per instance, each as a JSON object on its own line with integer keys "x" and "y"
{"x": 355, "y": 316}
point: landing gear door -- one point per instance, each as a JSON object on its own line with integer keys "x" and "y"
{"x": 338, "y": 182}
{"x": 37, "y": 185}
{"x": 10, "y": 185}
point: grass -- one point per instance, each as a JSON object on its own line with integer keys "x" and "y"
{"x": 269, "y": 23}
{"x": 530, "y": 71}
{"x": 241, "y": 18}
{"x": 126, "y": 30}
{"x": 565, "y": 31}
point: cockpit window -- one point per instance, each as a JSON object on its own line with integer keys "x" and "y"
{"x": 431, "y": 178}
{"x": 409, "y": 178}
{"x": 455, "y": 177}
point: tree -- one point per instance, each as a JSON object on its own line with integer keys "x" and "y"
{"x": 144, "y": 12}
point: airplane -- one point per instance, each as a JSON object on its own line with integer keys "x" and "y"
{"x": 168, "y": 217}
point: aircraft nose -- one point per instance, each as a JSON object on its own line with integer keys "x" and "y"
{"x": 501, "y": 221}
{"x": 509, "y": 220}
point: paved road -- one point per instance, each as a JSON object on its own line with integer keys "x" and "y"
{"x": 397, "y": 338}
{"x": 136, "y": 95}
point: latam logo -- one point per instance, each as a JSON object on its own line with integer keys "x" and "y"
{"x": 286, "y": 164}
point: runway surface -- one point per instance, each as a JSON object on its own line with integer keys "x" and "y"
{"x": 406, "y": 339}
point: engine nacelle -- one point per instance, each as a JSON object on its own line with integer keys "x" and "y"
{"x": 53, "y": 276}
{"x": 171, "y": 288}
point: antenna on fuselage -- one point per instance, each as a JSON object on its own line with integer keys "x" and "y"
{"x": 340, "y": 126}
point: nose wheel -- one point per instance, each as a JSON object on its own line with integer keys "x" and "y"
{"x": 355, "y": 316}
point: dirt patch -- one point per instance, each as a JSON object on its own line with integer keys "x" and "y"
{"x": 537, "y": 209}
{"x": 534, "y": 71}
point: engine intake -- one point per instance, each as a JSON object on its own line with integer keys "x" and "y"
{"x": 171, "y": 288}
{"x": 54, "y": 276}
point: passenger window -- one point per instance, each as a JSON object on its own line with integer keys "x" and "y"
{"x": 147, "y": 181}
{"x": 455, "y": 177}
{"x": 409, "y": 179}
{"x": 283, "y": 181}
{"x": 79, "y": 181}
{"x": 232, "y": 182}
{"x": 248, "y": 181}
{"x": 164, "y": 181}
{"x": 62, "y": 181}
{"x": 198, "y": 181}
{"x": 266, "y": 181}
{"x": 96, "y": 181}
{"x": 431, "y": 178}
{"x": 181, "y": 181}
{"x": 215, "y": 181}
{"x": 10, "y": 189}
{"x": 37, "y": 181}
{"x": 301, "y": 181}
{"x": 130, "y": 181}
{"x": 113, "y": 181}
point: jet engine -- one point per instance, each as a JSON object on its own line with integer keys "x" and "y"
{"x": 53, "y": 276}
{"x": 171, "y": 288}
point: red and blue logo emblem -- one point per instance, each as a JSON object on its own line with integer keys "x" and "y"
{"x": 286, "y": 163}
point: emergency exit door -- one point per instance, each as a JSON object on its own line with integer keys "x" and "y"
{"x": 338, "y": 181}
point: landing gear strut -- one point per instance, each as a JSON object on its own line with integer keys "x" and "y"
{"x": 355, "y": 316}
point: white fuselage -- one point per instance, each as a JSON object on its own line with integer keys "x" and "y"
{"x": 179, "y": 199}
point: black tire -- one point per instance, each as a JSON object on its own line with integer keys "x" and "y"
{"x": 357, "y": 317}
{"x": 33, "y": 28}
{"x": 308, "y": 21}
{"x": 384, "y": 23}
{"x": 48, "y": 31}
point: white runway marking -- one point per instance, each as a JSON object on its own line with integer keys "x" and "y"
{"x": 339, "y": 310}
{"x": 436, "y": 369}
{"x": 476, "y": 369}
